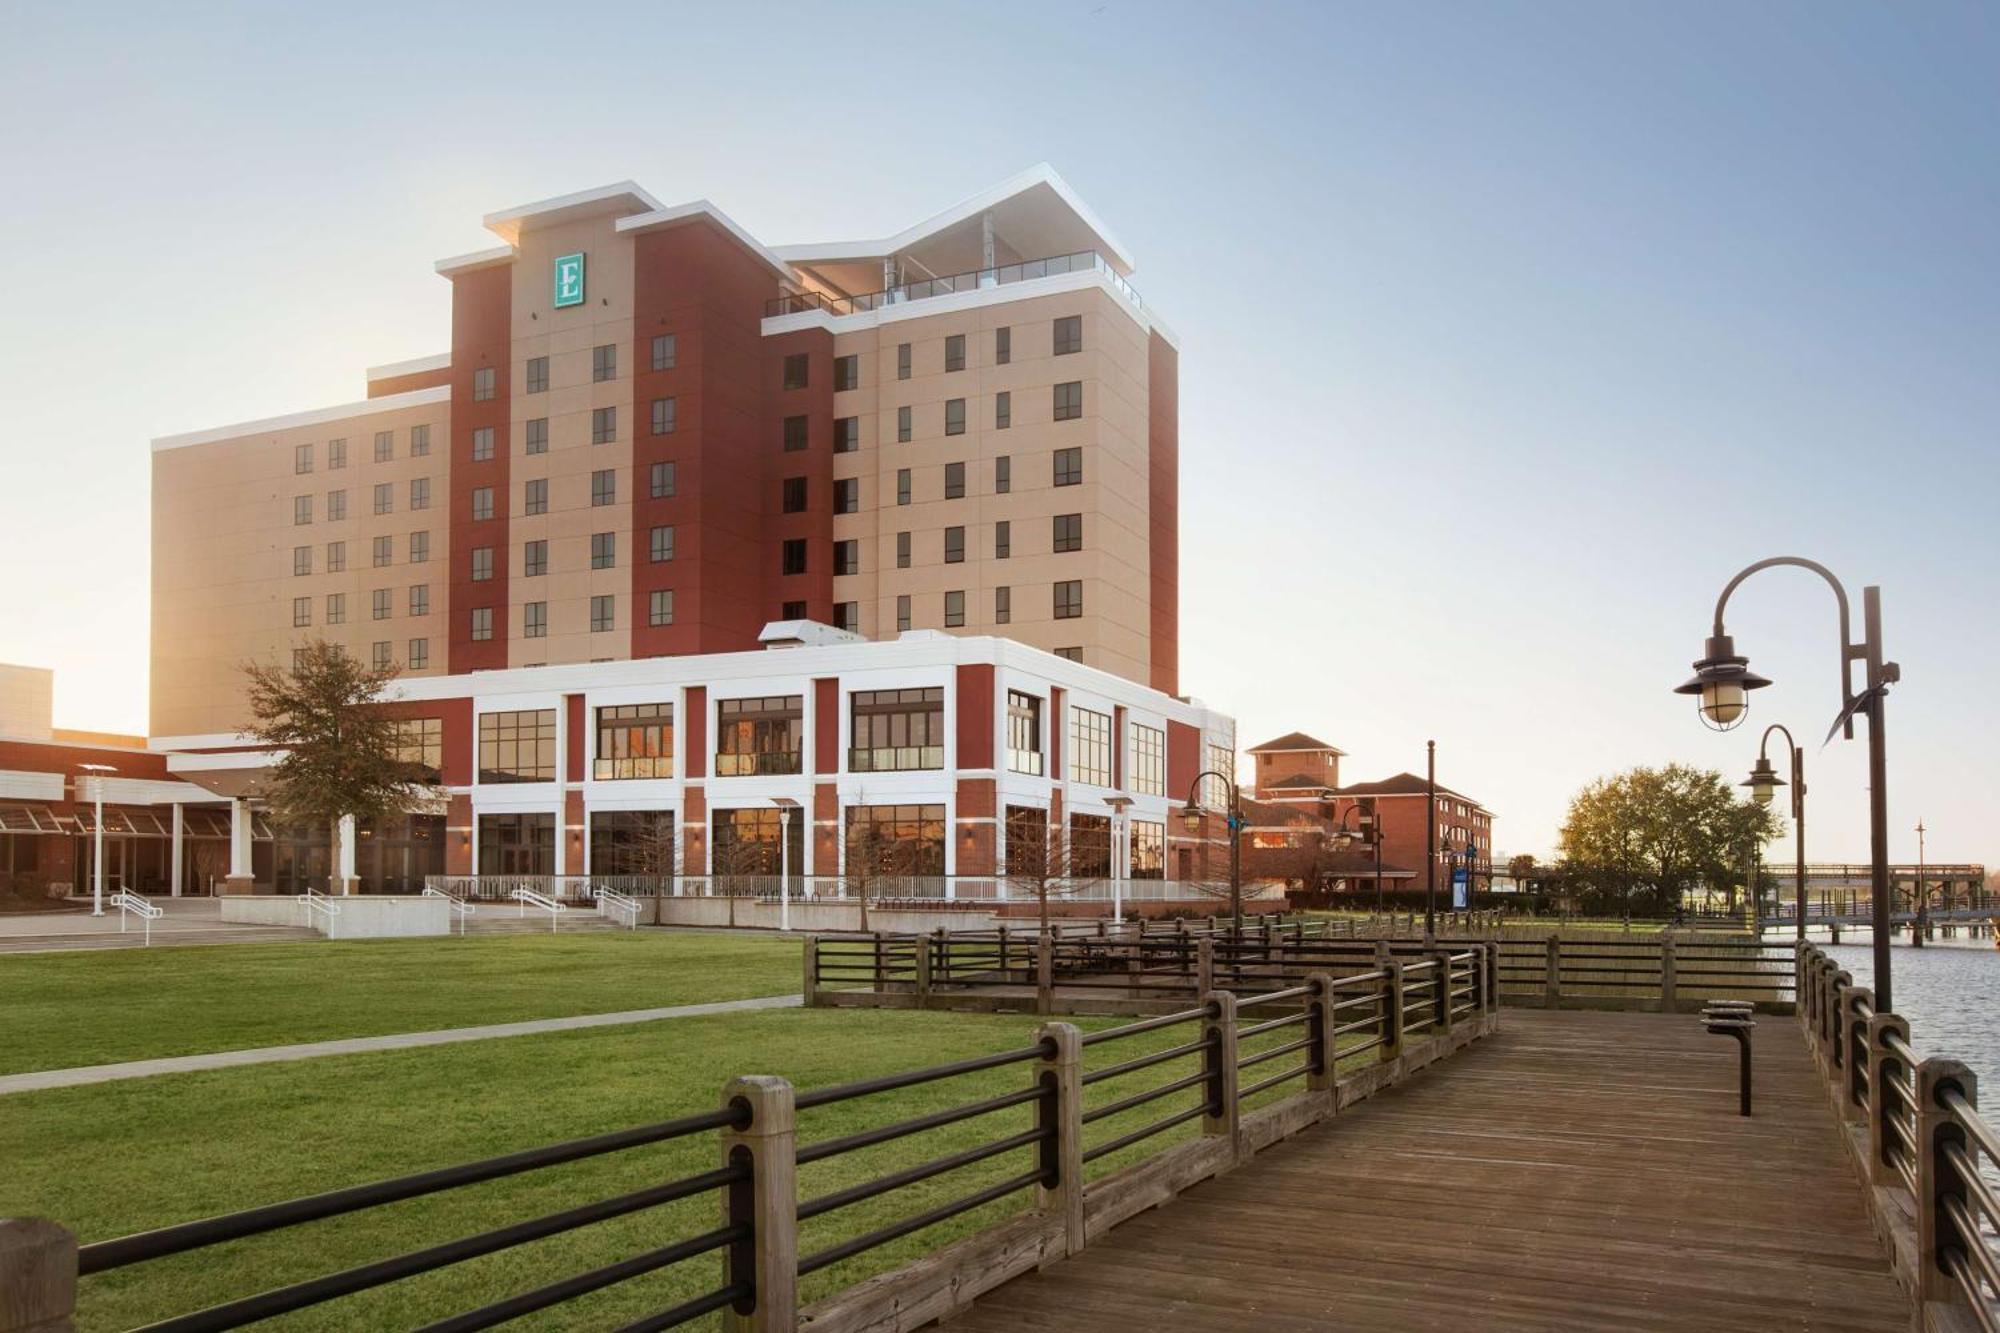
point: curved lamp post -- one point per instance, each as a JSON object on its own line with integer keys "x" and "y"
{"x": 1763, "y": 783}
{"x": 1722, "y": 681}
{"x": 1191, "y": 818}
{"x": 1364, "y": 831}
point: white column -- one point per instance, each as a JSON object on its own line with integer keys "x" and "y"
{"x": 562, "y": 836}
{"x": 239, "y": 838}
{"x": 344, "y": 872}
{"x": 175, "y": 856}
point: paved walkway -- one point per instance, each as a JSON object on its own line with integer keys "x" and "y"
{"x": 397, "y": 1041}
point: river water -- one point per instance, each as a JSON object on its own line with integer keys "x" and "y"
{"x": 1950, "y": 993}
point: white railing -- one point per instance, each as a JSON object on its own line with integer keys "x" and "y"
{"x": 459, "y": 907}
{"x": 129, "y": 905}
{"x": 613, "y": 905}
{"x": 529, "y": 898}
{"x": 313, "y": 901}
{"x": 569, "y": 888}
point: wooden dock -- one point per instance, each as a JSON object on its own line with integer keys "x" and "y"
{"x": 1574, "y": 1171}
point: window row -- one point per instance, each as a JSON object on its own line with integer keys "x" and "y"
{"x": 385, "y": 450}
{"x": 383, "y": 554}
{"x": 1066, "y": 337}
{"x": 1067, "y": 604}
{"x": 381, "y": 605}
{"x": 603, "y": 615}
{"x": 384, "y": 497}
{"x": 382, "y": 656}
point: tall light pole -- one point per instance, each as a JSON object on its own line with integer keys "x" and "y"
{"x": 1120, "y": 823}
{"x": 1763, "y": 784}
{"x": 97, "y": 772}
{"x": 1191, "y": 818}
{"x": 1364, "y": 832}
{"x": 1430, "y": 841}
{"x": 1922, "y": 914}
{"x": 1722, "y": 681}
{"x": 785, "y": 806}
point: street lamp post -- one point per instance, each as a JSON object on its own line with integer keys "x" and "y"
{"x": 97, "y": 772}
{"x": 1191, "y": 818}
{"x": 1120, "y": 864}
{"x": 1763, "y": 784}
{"x": 1920, "y": 918}
{"x": 785, "y": 806}
{"x": 1722, "y": 680}
{"x": 1430, "y": 841}
{"x": 1366, "y": 831}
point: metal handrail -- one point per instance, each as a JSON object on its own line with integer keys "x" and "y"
{"x": 131, "y": 904}
{"x": 312, "y": 900}
{"x": 610, "y": 902}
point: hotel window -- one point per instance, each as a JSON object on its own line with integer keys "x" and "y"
{"x": 847, "y": 616}
{"x": 336, "y": 454}
{"x": 902, "y": 488}
{"x": 383, "y": 549}
{"x": 1069, "y": 467}
{"x": 482, "y": 444}
{"x": 846, "y": 435}
{"x": 298, "y": 660}
{"x": 1069, "y": 335}
{"x": 385, "y": 445}
{"x": 1003, "y": 346}
{"x": 1089, "y": 846}
{"x": 794, "y": 437}
{"x": 1068, "y": 534}
{"x": 892, "y": 839}
{"x": 603, "y": 609}
{"x": 420, "y": 599}
{"x": 847, "y": 495}
{"x": 954, "y": 610}
{"x": 482, "y": 384}
{"x": 1003, "y": 539}
{"x": 1003, "y": 411}
{"x": 385, "y": 497}
{"x": 518, "y": 747}
{"x": 666, "y": 415}
{"x": 759, "y": 736}
{"x": 1069, "y": 400}
{"x": 604, "y": 363}
{"x": 847, "y": 557}
{"x": 846, "y": 372}
{"x": 302, "y": 612}
{"x": 420, "y": 654}
{"x": 419, "y": 741}
{"x": 902, "y": 425}
{"x": 791, "y": 611}
{"x": 954, "y": 481}
{"x": 1003, "y": 475}
{"x": 384, "y": 659}
{"x": 538, "y": 374}
{"x": 954, "y": 352}
{"x": 534, "y": 620}
{"x": 792, "y": 496}
{"x": 1003, "y": 606}
{"x": 381, "y": 604}
{"x": 1214, "y": 791}
{"x": 420, "y": 441}
{"x": 482, "y": 563}
{"x": 535, "y": 497}
{"x": 902, "y": 550}
{"x": 336, "y": 608}
{"x": 661, "y": 544}
{"x": 1070, "y": 654}
{"x": 336, "y": 557}
{"x": 1149, "y": 760}
{"x": 896, "y": 731}
{"x": 603, "y": 550}
{"x": 420, "y": 492}
{"x": 903, "y": 612}
{"x": 1024, "y": 733}
{"x": 660, "y": 607}
{"x": 902, "y": 361}
{"x": 336, "y": 506}
{"x": 482, "y": 502}
{"x": 604, "y": 487}
{"x": 954, "y": 546}
{"x": 538, "y": 436}
{"x": 302, "y": 510}
{"x": 797, "y": 370}
{"x": 603, "y": 425}
{"x": 666, "y": 351}
{"x": 1069, "y": 599}
{"x": 1090, "y": 747}
{"x": 634, "y": 741}
{"x": 302, "y": 560}
{"x": 1148, "y": 849}
{"x": 302, "y": 458}
{"x": 793, "y": 556}
{"x": 661, "y": 477}
{"x": 954, "y": 416}
{"x": 534, "y": 559}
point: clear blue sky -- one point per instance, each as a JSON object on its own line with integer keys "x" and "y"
{"x": 1509, "y": 331}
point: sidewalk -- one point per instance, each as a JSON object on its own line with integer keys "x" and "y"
{"x": 398, "y": 1041}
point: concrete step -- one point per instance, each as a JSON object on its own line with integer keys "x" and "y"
{"x": 162, "y": 938}
{"x": 498, "y": 920}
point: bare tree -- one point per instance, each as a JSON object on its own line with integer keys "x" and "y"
{"x": 1042, "y": 862}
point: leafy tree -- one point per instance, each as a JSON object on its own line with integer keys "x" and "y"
{"x": 340, "y": 751}
{"x": 1662, "y": 831}
{"x": 1522, "y": 869}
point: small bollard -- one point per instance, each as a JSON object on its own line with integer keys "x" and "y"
{"x": 1732, "y": 1018}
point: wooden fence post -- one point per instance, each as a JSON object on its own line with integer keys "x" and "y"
{"x": 810, "y": 985}
{"x": 1854, "y": 1043}
{"x": 1004, "y": 959}
{"x": 768, "y": 1202}
{"x": 922, "y": 945}
{"x": 37, "y": 1276}
{"x": 1441, "y": 993}
{"x": 1937, "y": 1179}
{"x": 1492, "y": 998}
{"x": 1669, "y": 978}
{"x": 1324, "y": 1050}
{"x": 1552, "y": 976}
{"x": 1392, "y": 1010}
{"x": 1883, "y": 1066}
{"x": 1060, "y": 1112}
{"x": 1045, "y": 974}
{"x": 1218, "y": 1030}
{"x": 1204, "y": 965}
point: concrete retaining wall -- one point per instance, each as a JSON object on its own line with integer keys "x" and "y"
{"x": 362, "y": 916}
{"x": 842, "y": 915}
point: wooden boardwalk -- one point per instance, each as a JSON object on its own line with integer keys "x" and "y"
{"x": 1575, "y": 1171}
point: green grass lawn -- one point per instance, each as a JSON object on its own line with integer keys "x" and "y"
{"x": 98, "y": 1007}
{"x": 114, "y": 1158}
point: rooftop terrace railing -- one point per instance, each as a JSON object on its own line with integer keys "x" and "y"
{"x": 1002, "y": 275}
